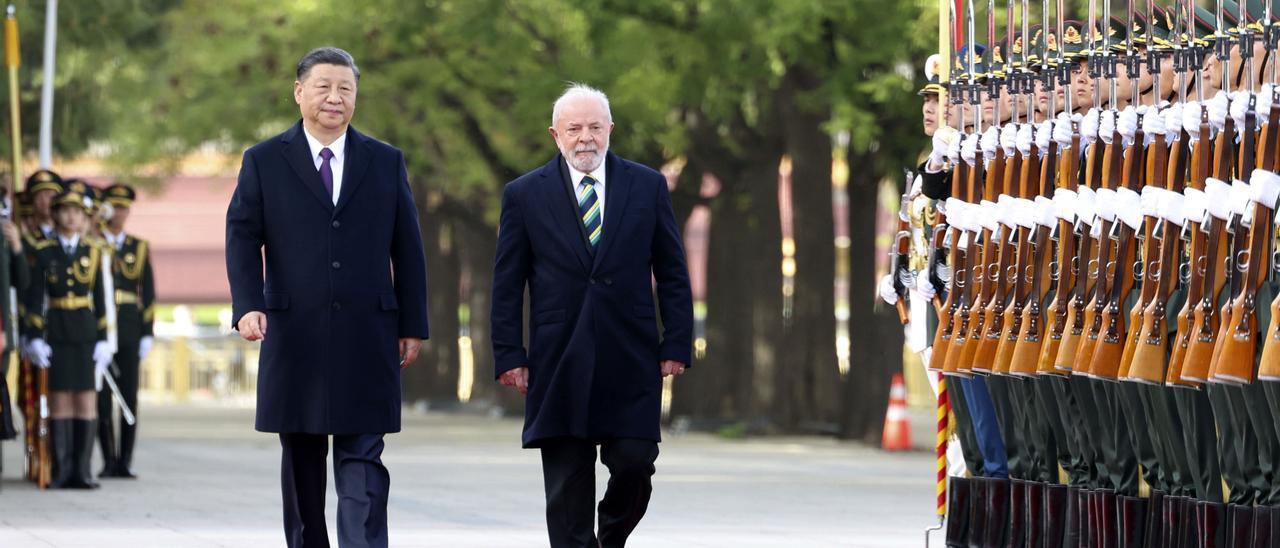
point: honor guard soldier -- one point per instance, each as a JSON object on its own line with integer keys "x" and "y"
{"x": 66, "y": 328}
{"x": 135, "y": 294}
{"x": 18, "y": 279}
{"x": 42, "y": 186}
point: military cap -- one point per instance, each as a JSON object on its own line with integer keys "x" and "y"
{"x": 996, "y": 61}
{"x": 25, "y": 205}
{"x": 77, "y": 185}
{"x": 1160, "y": 28}
{"x": 122, "y": 195}
{"x": 964, "y": 57}
{"x": 1117, "y": 32}
{"x": 1044, "y": 47}
{"x": 1073, "y": 45}
{"x": 71, "y": 197}
{"x": 44, "y": 180}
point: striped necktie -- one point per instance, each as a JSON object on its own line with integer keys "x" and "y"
{"x": 589, "y": 207}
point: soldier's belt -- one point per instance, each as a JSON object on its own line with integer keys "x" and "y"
{"x": 126, "y": 297}
{"x": 72, "y": 302}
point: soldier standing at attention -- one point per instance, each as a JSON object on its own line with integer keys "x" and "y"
{"x": 135, "y": 295}
{"x": 66, "y": 328}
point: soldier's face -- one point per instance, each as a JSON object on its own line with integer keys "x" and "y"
{"x": 582, "y": 133}
{"x": 988, "y": 106}
{"x": 1168, "y": 78}
{"x": 327, "y": 96}
{"x": 929, "y": 114}
{"x": 1042, "y": 99}
{"x": 1212, "y": 75}
{"x": 1082, "y": 86}
{"x": 42, "y": 200}
{"x": 119, "y": 214}
{"x": 70, "y": 218}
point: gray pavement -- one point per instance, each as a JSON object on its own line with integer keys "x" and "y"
{"x": 209, "y": 480}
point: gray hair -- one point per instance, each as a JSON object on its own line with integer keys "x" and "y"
{"x": 326, "y": 56}
{"x": 579, "y": 91}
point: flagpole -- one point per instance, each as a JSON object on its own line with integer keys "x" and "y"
{"x": 46, "y": 92}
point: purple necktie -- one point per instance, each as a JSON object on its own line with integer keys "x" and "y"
{"x": 326, "y": 171}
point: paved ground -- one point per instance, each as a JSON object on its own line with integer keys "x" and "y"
{"x": 461, "y": 481}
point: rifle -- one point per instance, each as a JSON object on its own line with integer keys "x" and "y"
{"x": 1269, "y": 364}
{"x": 1235, "y": 363}
{"x": 1067, "y": 264}
{"x": 980, "y": 357}
{"x": 898, "y": 255}
{"x": 1204, "y": 324}
{"x": 1146, "y": 352}
{"x": 1028, "y": 328}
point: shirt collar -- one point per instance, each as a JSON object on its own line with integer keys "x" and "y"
{"x": 73, "y": 241}
{"x": 338, "y": 146}
{"x": 576, "y": 176}
{"x": 116, "y": 240}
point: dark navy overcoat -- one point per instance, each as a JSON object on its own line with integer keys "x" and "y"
{"x": 342, "y": 283}
{"x": 593, "y": 347}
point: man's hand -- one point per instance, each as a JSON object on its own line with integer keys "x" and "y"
{"x": 11, "y": 233}
{"x": 253, "y": 326}
{"x": 409, "y": 351}
{"x": 672, "y": 367}
{"x": 517, "y": 378}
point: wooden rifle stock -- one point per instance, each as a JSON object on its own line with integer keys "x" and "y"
{"x": 1068, "y": 266}
{"x": 1239, "y": 345}
{"x": 1098, "y": 305}
{"x": 956, "y": 363}
{"x": 991, "y": 250}
{"x": 1150, "y": 341}
{"x": 1027, "y": 339}
{"x": 1205, "y": 320}
{"x": 1109, "y": 352}
{"x": 1004, "y": 335}
{"x": 1196, "y": 254}
{"x": 1086, "y": 252}
{"x": 948, "y": 308}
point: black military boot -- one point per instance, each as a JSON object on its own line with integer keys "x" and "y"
{"x": 82, "y": 455}
{"x": 60, "y": 448}
{"x": 958, "y": 513}
{"x": 997, "y": 513}
{"x": 1108, "y": 510}
{"x": 1056, "y": 516}
{"x": 1211, "y": 516}
{"x": 1170, "y": 524}
{"x": 978, "y": 511}
{"x": 1033, "y": 517}
{"x": 1017, "y": 514}
{"x": 1133, "y": 521}
{"x": 107, "y": 442}
{"x": 1240, "y": 530}
{"x": 1153, "y": 519}
{"x": 1093, "y": 526}
{"x": 124, "y": 464}
{"x": 1262, "y": 527}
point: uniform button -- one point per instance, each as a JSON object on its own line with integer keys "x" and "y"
{"x": 337, "y": 305}
{"x": 608, "y": 281}
{"x": 337, "y": 265}
{"x": 336, "y": 224}
{"x": 593, "y": 281}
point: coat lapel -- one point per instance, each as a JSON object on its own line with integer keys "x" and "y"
{"x": 298, "y": 153}
{"x": 564, "y": 216}
{"x": 355, "y": 164}
{"x": 617, "y": 190}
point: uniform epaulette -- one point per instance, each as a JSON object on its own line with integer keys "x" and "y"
{"x": 96, "y": 241}
{"x": 41, "y": 244}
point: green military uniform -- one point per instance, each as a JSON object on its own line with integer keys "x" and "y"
{"x": 135, "y": 305}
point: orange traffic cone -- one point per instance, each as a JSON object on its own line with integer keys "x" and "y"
{"x": 897, "y": 430}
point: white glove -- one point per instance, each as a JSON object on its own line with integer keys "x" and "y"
{"x": 1089, "y": 128}
{"x": 1172, "y": 117}
{"x": 101, "y": 360}
{"x": 990, "y": 140}
{"x": 144, "y": 347}
{"x": 1044, "y": 134}
{"x": 1239, "y": 106}
{"x": 1009, "y": 138}
{"x": 1127, "y": 124}
{"x": 887, "y": 293}
{"x": 969, "y": 150}
{"x": 943, "y": 139}
{"x": 1025, "y": 134}
{"x": 1153, "y": 125}
{"x": 1218, "y": 107}
{"x": 1191, "y": 120}
{"x": 40, "y": 353}
{"x": 1062, "y": 129}
{"x": 1263, "y": 104}
{"x": 924, "y": 287}
{"x": 1107, "y": 126}
{"x": 953, "y": 148}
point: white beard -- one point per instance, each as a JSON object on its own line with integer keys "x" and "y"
{"x": 589, "y": 163}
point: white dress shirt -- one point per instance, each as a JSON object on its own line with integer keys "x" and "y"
{"x": 71, "y": 242}
{"x": 579, "y": 190}
{"x": 339, "y": 149}
{"x": 116, "y": 240}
